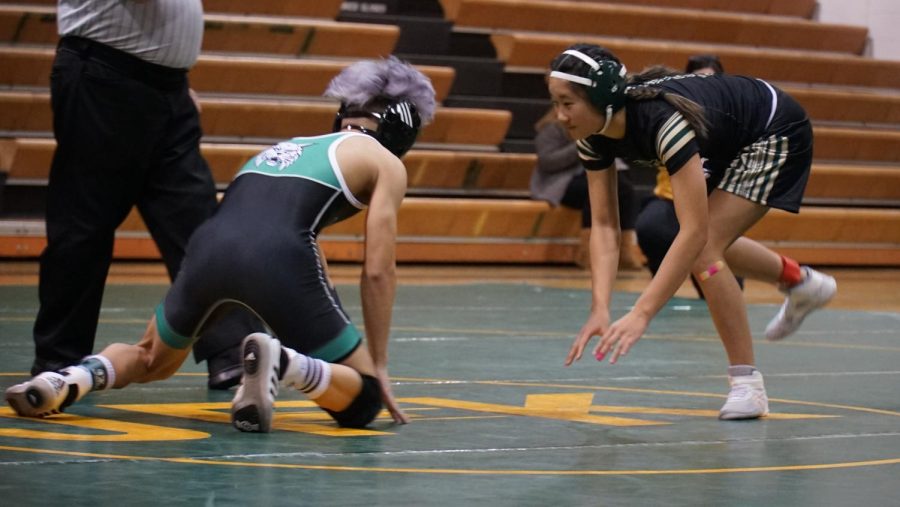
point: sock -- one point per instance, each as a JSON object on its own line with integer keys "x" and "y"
{"x": 103, "y": 375}
{"x": 741, "y": 370}
{"x": 791, "y": 274}
{"x": 308, "y": 375}
{"x": 94, "y": 373}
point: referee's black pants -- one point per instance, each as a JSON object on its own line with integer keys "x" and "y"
{"x": 127, "y": 135}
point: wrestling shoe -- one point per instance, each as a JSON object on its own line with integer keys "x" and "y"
{"x": 43, "y": 395}
{"x": 814, "y": 292}
{"x": 747, "y": 399}
{"x": 254, "y": 401}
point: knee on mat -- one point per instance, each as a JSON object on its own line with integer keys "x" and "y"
{"x": 364, "y": 408}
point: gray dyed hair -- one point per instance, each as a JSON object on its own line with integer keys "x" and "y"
{"x": 389, "y": 78}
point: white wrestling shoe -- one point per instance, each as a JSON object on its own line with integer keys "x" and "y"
{"x": 811, "y": 294}
{"x": 747, "y": 399}
{"x": 43, "y": 395}
{"x": 254, "y": 401}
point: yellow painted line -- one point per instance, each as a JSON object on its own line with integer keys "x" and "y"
{"x": 556, "y": 334}
{"x": 639, "y": 390}
{"x": 459, "y": 471}
{"x": 105, "y": 430}
{"x": 78, "y": 454}
{"x": 779, "y": 468}
{"x": 576, "y": 414}
{"x": 451, "y": 418}
{"x": 683, "y": 393}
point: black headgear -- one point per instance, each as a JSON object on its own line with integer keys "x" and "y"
{"x": 398, "y": 124}
{"x": 605, "y": 82}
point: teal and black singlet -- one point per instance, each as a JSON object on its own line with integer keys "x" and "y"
{"x": 259, "y": 251}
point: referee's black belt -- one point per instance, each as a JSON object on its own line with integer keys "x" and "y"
{"x": 151, "y": 73}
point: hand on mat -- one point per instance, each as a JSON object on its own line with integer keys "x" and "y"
{"x": 388, "y": 397}
{"x": 621, "y": 336}
{"x": 595, "y": 325}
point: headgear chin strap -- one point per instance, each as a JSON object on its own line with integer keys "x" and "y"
{"x": 605, "y": 83}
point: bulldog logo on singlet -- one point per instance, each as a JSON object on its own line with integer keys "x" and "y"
{"x": 281, "y": 155}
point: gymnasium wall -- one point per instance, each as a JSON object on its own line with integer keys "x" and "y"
{"x": 880, "y": 16}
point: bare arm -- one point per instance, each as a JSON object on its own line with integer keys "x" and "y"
{"x": 691, "y": 207}
{"x": 604, "y": 248}
{"x": 378, "y": 280}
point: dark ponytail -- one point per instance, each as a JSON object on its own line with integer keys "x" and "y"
{"x": 638, "y": 90}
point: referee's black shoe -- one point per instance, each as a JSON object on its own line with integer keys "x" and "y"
{"x": 225, "y": 369}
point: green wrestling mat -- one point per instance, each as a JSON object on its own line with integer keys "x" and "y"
{"x": 497, "y": 419}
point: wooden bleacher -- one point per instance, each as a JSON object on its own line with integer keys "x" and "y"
{"x": 29, "y": 112}
{"x": 831, "y": 232}
{"x": 429, "y": 229}
{"x": 220, "y": 74}
{"x": 833, "y": 235}
{"x": 516, "y": 231}
{"x": 294, "y": 36}
{"x": 318, "y": 9}
{"x": 535, "y": 50}
{"x": 848, "y": 185}
{"x": 228, "y": 74}
{"x": 797, "y": 8}
{"x": 534, "y": 232}
{"x": 468, "y": 201}
{"x": 297, "y": 36}
{"x": 272, "y": 119}
{"x": 659, "y": 23}
{"x": 484, "y": 173}
{"x": 861, "y": 145}
{"x": 859, "y": 105}
{"x": 27, "y": 160}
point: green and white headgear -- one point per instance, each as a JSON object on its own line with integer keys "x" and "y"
{"x": 604, "y": 79}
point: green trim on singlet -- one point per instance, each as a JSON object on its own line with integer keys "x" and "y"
{"x": 340, "y": 346}
{"x": 167, "y": 334}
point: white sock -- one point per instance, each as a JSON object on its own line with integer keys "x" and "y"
{"x": 306, "y": 374}
{"x": 103, "y": 375}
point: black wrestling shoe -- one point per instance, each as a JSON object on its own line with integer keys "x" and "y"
{"x": 225, "y": 369}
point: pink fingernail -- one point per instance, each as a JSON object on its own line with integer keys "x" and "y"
{"x": 599, "y": 355}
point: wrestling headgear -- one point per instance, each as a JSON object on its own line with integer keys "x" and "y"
{"x": 605, "y": 82}
{"x": 398, "y": 124}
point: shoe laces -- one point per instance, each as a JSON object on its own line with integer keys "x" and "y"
{"x": 740, "y": 392}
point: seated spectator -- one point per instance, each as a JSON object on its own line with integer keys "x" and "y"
{"x": 704, "y": 64}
